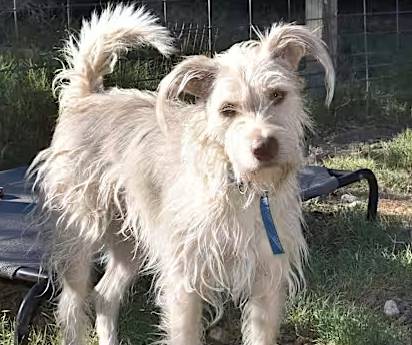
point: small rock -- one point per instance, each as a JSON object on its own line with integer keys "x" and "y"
{"x": 391, "y": 308}
{"x": 354, "y": 204}
{"x": 348, "y": 198}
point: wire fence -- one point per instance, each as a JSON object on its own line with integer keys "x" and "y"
{"x": 370, "y": 42}
{"x": 369, "y": 39}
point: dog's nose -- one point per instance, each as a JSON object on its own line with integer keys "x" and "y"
{"x": 265, "y": 149}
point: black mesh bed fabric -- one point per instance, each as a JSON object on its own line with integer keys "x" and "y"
{"x": 315, "y": 181}
{"x": 20, "y": 248}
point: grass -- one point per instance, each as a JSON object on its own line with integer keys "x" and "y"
{"x": 396, "y": 154}
{"x": 38, "y": 336}
{"x": 355, "y": 266}
{"x": 390, "y": 160}
{"x": 27, "y": 109}
{"x": 137, "y": 324}
{"x": 334, "y": 321}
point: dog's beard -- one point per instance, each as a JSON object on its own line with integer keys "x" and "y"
{"x": 254, "y": 183}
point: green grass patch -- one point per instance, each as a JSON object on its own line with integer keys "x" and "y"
{"x": 351, "y": 256}
{"x": 354, "y": 268}
{"x": 334, "y": 321}
{"x": 137, "y": 325}
{"x": 27, "y": 109}
{"x": 391, "y": 161}
{"x": 38, "y": 336}
{"x": 397, "y": 153}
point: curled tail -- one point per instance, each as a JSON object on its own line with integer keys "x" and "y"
{"x": 92, "y": 55}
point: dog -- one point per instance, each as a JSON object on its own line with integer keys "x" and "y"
{"x": 175, "y": 188}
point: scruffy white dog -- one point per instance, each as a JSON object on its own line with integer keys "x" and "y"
{"x": 173, "y": 188}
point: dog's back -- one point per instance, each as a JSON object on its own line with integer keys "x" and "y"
{"x": 96, "y": 126}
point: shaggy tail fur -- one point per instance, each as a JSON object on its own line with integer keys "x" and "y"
{"x": 93, "y": 54}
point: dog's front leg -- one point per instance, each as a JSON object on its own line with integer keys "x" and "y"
{"x": 262, "y": 313}
{"x": 182, "y": 314}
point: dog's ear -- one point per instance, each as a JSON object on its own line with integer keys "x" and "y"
{"x": 291, "y": 43}
{"x": 193, "y": 76}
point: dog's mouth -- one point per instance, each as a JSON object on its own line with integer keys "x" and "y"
{"x": 267, "y": 163}
{"x": 262, "y": 162}
{"x": 261, "y": 171}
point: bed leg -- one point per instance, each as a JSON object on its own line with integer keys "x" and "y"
{"x": 37, "y": 294}
{"x": 347, "y": 177}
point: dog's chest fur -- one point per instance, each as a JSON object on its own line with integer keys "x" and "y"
{"x": 217, "y": 244}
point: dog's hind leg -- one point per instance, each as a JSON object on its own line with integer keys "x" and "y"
{"x": 71, "y": 313}
{"x": 120, "y": 271}
{"x": 262, "y": 313}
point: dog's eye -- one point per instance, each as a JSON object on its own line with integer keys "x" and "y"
{"x": 277, "y": 96}
{"x": 228, "y": 110}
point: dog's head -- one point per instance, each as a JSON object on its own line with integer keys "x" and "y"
{"x": 251, "y": 97}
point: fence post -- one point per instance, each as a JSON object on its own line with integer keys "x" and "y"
{"x": 165, "y": 12}
{"x": 16, "y": 27}
{"x": 209, "y": 26}
{"x": 397, "y": 24}
{"x": 68, "y": 13}
{"x": 289, "y": 12}
{"x": 365, "y": 51}
{"x": 250, "y": 19}
{"x": 331, "y": 19}
{"x": 365, "y": 46}
{"x": 314, "y": 16}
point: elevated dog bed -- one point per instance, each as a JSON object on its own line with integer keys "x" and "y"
{"x": 21, "y": 251}
{"x": 319, "y": 181}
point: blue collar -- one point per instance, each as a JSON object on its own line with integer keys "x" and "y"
{"x": 267, "y": 220}
{"x": 270, "y": 226}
